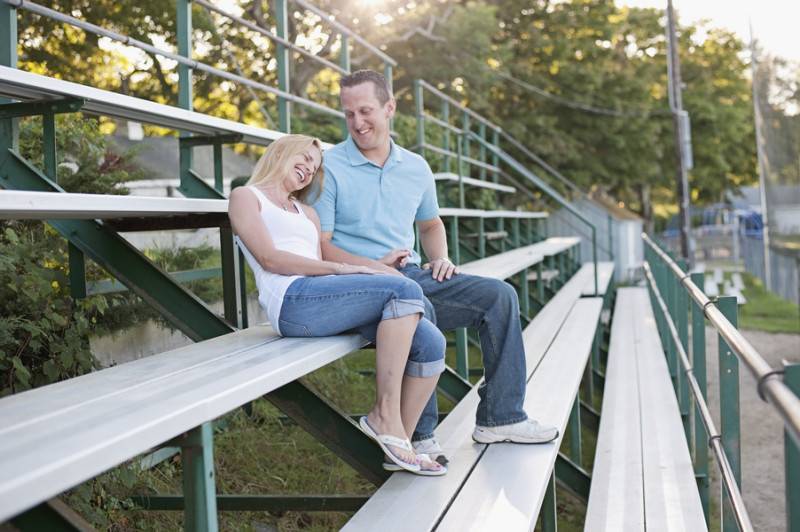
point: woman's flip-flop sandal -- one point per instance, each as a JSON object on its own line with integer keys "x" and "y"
{"x": 384, "y": 440}
{"x": 388, "y": 466}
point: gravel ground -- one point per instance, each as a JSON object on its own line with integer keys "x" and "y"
{"x": 761, "y": 428}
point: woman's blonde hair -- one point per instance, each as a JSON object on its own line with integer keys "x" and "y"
{"x": 275, "y": 164}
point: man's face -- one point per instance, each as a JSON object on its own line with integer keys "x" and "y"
{"x": 367, "y": 119}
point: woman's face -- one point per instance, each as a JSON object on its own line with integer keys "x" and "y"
{"x": 303, "y": 167}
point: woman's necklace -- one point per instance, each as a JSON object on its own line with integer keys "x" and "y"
{"x": 279, "y": 202}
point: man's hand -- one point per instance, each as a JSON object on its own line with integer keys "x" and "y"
{"x": 441, "y": 269}
{"x": 396, "y": 258}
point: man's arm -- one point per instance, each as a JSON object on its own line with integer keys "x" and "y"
{"x": 330, "y": 250}
{"x": 433, "y": 239}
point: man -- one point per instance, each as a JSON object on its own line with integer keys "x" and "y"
{"x": 374, "y": 192}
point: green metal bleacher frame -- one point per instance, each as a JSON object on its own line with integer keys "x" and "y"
{"x": 92, "y": 226}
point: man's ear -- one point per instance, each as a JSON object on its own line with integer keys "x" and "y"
{"x": 391, "y": 107}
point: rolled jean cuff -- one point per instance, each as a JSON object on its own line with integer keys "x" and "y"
{"x": 397, "y": 308}
{"x": 424, "y": 369}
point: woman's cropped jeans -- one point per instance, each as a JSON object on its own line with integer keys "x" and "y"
{"x": 335, "y": 304}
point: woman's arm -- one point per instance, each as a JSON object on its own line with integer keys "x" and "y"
{"x": 244, "y": 213}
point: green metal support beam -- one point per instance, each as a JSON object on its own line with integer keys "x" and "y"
{"x": 120, "y": 258}
{"x": 262, "y": 503}
{"x": 21, "y": 109}
{"x": 549, "y": 511}
{"x": 333, "y": 428}
{"x": 52, "y": 516}
{"x": 573, "y": 477}
{"x": 791, "y": 377}
{"x": 590, "y": 418}
{"x": 199, "y": 491}
{"x": 210, "y": 140}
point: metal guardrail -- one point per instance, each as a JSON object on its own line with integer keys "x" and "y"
{"x": 713, "y": 436}
{"x": 770, "y": 385}
{"x": 676, "y": 293}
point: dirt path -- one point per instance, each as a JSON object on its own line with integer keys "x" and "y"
{"x": 761, "y": 429}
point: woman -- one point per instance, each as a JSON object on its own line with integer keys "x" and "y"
{"x": 304, "y": 295}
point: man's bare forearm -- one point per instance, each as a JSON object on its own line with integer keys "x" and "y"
{"x": 434, "y": 241}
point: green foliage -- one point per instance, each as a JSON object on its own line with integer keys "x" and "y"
{"x": 44, "y": 334}
{"x": 84, "y": 161}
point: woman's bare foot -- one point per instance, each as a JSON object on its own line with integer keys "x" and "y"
{"x": 391, "y": 427}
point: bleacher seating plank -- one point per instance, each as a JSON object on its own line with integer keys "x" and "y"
{"x": 507, "y": 486}
{"x": 605, "y": 272}
{"x": 477, "y": 213}
{"x": 430, "y": 496}
{"x": 504, "y": 265}
{"x": 24, "y": 205}
{"x": 146, "y": 409}
{"x": 453, "y": 178}
{"x": 616, "y": 499}
{"x": 672, "y": 501}
{"x": 710, "y": 286}
{"x": 16, "y": 84}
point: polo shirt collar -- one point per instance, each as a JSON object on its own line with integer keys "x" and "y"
{"x": 357, "y": 158}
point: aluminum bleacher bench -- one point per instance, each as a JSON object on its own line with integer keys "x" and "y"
{"x": 605, "y": 273}
{"x": 57, "y": 436}
{"x": 501, "y": 486}
{"x": 449, "y": 177}
{"x": 642, "y": 469}
{"x": 20, "y": 85}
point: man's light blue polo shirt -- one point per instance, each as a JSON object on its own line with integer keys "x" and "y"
{"x": 371, "y": 210}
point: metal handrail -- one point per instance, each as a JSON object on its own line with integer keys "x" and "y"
{"x": 461, "y": 107}
{"x": 714, "y": 437}
{"x": 191, "y": 63}
{"x": 541, "y": 162}
{"x": 547, "y": 189}
{"x": 268, "y": 34}
{"x": 341, "y": 28}
{"x": 770, "y": 385}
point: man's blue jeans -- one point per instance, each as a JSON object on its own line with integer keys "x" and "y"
{"x": 492, "y": 307}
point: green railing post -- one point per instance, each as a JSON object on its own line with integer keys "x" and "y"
{"x": 482, "y": 151}
{"x": 575, "y": 446}
{"x": 682, "y": 324}
{"x": 465, "y": 148}
{"x": 495, "y": 158}
{"x": 344, "y": 62}
{"x": 184, "y": 36}
{"x": 729, "y": 407}
{"x": 791, "y": 378}
{"x": 672, "y": 351}
{"x": 610, "y": 238}
{"x": 699, "y": 369}
{"x": 199, "y": 493}
{"x": 481, "y": 238}
{"x": 462, "y": 196}
{"x": 516, "y": 236}
{"x": 420, "y": 109}
{"x": 9, "y": 132}
{"x": 387, "y": 73}
{"x": 282, "y": 56}
{"x": 446, "y": 143}
{"x": 549, "y": 511}
{"x": 524, "y": 294}
{"x": 462, "y": 342}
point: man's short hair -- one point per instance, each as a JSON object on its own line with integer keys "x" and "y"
{"x": 382, "y": 90}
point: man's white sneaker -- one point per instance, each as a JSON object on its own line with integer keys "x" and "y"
{"x": 528, "y": 431}
{"x": 432, "y": 448}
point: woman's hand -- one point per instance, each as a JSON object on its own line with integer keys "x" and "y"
{"x": 396, "y": 258}
{"x": 347, "y": 269}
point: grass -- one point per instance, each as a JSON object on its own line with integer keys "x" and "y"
{"x": 766, "y": 311}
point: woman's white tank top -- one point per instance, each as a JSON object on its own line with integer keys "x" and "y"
{"x": 292, "y": 232}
